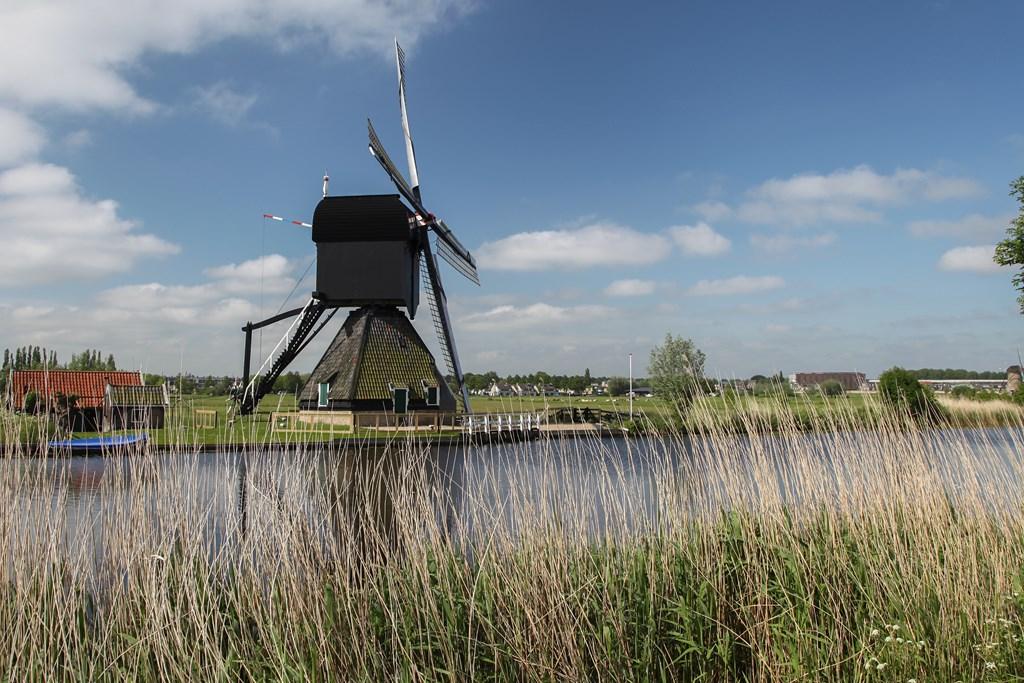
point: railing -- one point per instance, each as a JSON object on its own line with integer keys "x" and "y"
{"x": 502, "y": 423}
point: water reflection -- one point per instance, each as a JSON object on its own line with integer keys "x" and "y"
{"x": 363, "y": 500}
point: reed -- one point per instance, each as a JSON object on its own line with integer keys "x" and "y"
{"x": 802, "y": 546}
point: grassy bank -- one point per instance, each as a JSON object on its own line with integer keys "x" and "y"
{"x": 184, "y": 429}
{"x": 898, "y": 556}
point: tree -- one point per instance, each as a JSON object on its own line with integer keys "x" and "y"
{"x": 900, "y": 389}
{"x": 675, "y": 369}
{"x": 1010, "y": 252}
{"x": 831, "y": 387}
{"x": 618, "y": 386}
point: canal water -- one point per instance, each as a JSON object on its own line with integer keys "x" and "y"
{"x": 95, "y": 507}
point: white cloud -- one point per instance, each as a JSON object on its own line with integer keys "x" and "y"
{"x": 78, "y": 139}
{"x": 970, "y": 259}
{"x": 778, "y": 244}
{"x": 699, "y": 240}
{"x": 713, "y": 210}
{"x": 76, "y": 54}
{"x": 740, "y": 284}
{"x": 50, "y": 232}
{"x": 847, "y": 195}
{"x": 973, "y": 226}
{"x": 598, "y": 244}
{"x": 271, "y": 274}
{"x": 516, "y": 317}
{"x": 20, "y": 137}
{"x": 630, "y": 288}
{"x": 223, "y": 103}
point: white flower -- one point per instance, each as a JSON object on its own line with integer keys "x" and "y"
{"x": 888, "y": 639}
{"x": 990, "y": 665}
{"x": 899, "y": 640}
{"x": 881, "y": 665}
{"x": 911, "y": 680}
{"x": 874, "y": 632}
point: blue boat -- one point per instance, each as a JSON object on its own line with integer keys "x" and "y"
{"x": 97, "y": 445}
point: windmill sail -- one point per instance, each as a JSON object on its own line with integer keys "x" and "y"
{"x": 410, "y": 151}
{"x": 381, "y": 155}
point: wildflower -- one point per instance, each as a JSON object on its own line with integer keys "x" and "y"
{"x": 920, "y": 644}
{"x": 888, "y": 639}
{"x": 874, "y": 632}
{"x": 899, "y": 640}
{"x": 990, "y": 665}
{"x": 881, "y": 665}
{"x": 911, "y": 680}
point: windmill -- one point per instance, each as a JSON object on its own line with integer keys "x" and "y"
{"x": 370, "y": 249}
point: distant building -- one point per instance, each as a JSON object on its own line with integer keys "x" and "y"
{"x": 90, "y": 386}
{"x": 1012, "y": 378}
{"x": 524, "y": 390}
{"x": 500, "y": 389}
{"x": 641, "y": 391}
{"x": 134, "y": 407}
{"x": 850, "y": 381}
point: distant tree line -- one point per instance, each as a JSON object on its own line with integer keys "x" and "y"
{"x": 949, "y": 373}
{"x": 39, "y": 358}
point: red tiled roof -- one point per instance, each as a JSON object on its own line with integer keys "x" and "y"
{"x": 88, "y": 386}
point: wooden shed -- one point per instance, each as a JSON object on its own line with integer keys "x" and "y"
{"x": 134, "y": 407}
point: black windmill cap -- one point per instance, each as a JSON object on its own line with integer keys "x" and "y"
{"x": 361, "y": 218}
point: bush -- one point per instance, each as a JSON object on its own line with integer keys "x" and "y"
{"x": 832, "y": 387}
{"x": 901, "y": 389}
{"x": 31, "y": 401}
{"x": 618, "y": 386}
{"x": 773, "y": 388}
{"x": 963, "y": 391}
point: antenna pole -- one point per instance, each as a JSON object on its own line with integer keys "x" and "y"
{"x": 327, "y": 179}
{"x": 630, "y": 386}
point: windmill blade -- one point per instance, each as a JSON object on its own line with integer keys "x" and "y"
{"x": 452, "y": 251}
{"x": 379, "y": 153}
{"x": 410, "y": 151}
{"x": 442, "y": 323}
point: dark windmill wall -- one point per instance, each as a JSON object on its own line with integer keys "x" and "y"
{"x": 365, "y": 252}
{"x": 376, "y": 348}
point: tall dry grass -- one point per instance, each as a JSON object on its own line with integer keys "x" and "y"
{"x": 780, "y": 553}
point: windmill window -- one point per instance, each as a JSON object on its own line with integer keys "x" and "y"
{"x": 432, "y": 393}
{"x": 323, "y": 392}
{"x": 400, "y": 399}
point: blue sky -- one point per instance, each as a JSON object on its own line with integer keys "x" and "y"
{"x": 797, "y": 186}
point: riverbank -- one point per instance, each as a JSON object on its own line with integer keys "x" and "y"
{"x": 602, "y": 416}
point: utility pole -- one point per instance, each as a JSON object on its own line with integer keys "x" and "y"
{"x": 630, "y": 386}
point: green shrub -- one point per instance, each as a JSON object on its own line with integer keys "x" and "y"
{"x": 963, "y": 391}
{"x": 831, "y": 387}
{"x": 899, "y": 388}
{"x": 773, "y": 388}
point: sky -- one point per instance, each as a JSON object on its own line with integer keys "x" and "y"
{"x": 796, "y": 186}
